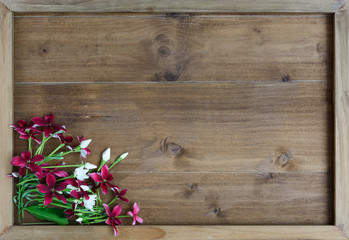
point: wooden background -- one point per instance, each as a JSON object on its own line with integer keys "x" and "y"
{"x": 227, "y": 118}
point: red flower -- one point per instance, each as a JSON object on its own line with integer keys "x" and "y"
{"x": 26, "y": 161}
{"x": 65, "y": 140}
{"x": 81, "y": 188}
{"x": 134, "y": 214}
{"x": 53, "y": 171}
{"x": 51, "y": 189}
{"x": 112, "y": 217}
{"x": 48, "y": 123}
{"x": 120, "y": 195}
{"x": 70, "y": 212}
{"x": 104, "y": 178}
{"x": 27, "y": 131}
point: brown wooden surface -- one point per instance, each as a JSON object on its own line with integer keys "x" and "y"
{"x": 153, "y": 48}
{"x": 212, "y": 127}
{"x": 341, "y": 121}
{"x": 174, "y": 6}
{"x": 253, "y": 98}
{"x": 6, "y": 116}
{"x": 177, "y": 232}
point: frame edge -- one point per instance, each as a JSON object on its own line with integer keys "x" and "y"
{"x": 6, "y": 116}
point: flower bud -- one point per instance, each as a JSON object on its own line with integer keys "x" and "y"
{"x": 85, "y": 143}
{"x": 106, "y": 155}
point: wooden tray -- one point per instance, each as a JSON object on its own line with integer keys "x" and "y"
{"x": 226, "y": 108}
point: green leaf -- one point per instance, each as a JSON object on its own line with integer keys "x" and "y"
{"x": 51, "y": 214}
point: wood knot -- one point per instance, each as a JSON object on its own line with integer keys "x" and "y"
{"x": 162, "y": 38}
{"x": 171, "y": 77}
{"x": 164, "y": 51}
{"x": 285, "y": 158}
{"x": 193, "y": 187}
{"x": 216, "y": 210}
{"x": 171, "y": 146}
{"x": 286, "y": 78}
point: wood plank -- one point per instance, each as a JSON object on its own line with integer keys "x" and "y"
{"x": 6, "y": 116}
{"x": 149, "y": 48}
{"x": 342, "y": 120}
{"x": 174, "y": 6}
{"x": 178, "y": 232}
{"x": 224, "y": 127}
{"x": 230, "y": 199}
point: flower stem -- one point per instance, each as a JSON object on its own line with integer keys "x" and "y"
{"x": 54, "y": 151}
{"x": 62, "y": 166}
{"x": 30, "y": 146}
{"x": 112, "y": 201}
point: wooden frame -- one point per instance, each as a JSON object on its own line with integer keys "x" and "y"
{"x": 337, "y": 7}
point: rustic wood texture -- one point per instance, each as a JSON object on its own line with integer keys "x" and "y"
{"x": 6, "y": 116}
{"x": 174, "y": 6}
{"x": 177, "y": 232}
{"x": 342, "y": 120}
{"x": 155, "y": 48}
{"x": 235, "y": 133}
{"x": 212, "y": 127}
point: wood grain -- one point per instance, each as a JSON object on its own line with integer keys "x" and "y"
{"x": 342, "y": 120}
{"x": 230, "y": 199}
{"x": 174, "y": 6}
{"x": 215, "y": 127}
{"x": 178, "y": 232}
{"x": 6, "y": 116}
{"x": 155, "y": 48}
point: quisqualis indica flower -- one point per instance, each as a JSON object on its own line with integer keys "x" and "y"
{"x": 51, "y": 190}
{"x": 85, "y": 143}
{"x": 79, "y": 188}
{"x": 89, "y": 166}
{"x": 104, "y": 179}
{"x": 80, "y": 173}
{"x": 26, "y": 161}
{"x": 120, "y": 195}
{"x": 112, "y": 217}
{"x": 54, "y": 171}
{"x": 27, "y": 131}
{"x": 70, "y": 212}
{"x": 90, "y": 202}
{"x": 84, "y": 151}
{"x": 106, "y": 155}
{"x": 134, "y": 214}
{"x": 48, "y": 123}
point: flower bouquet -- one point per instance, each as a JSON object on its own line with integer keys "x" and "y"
{"x": 49, "y": 193}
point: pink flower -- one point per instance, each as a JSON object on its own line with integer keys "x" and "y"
{"x": 104, "y": 178}
{"x": 112, "y": 217}
{"x": 48, "y": 123}
{"x": 79, "y": 192}
{"x": 51, "y": 189}
{"x": 26, "y": 161}
{"x": 120, "y": 195}
{"x": 134, "y": 214}
{"x": 27, "y": 131}
{"x": 53, "y": 171}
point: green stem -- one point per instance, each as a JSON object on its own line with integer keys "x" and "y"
{"x": 30, "y": 146}
{"x": 61, "y": 179}
{"x": 54, "y": 151}
{"x": 63, "y": 166}
{"x": 112, "y": 201}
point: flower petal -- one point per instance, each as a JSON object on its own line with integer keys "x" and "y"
{"x": 104, "y": 188}
{"x": 51, "y": 180}
{"x": 105, "y": 171}
{"x": 135, "y": 208}
{"x": 85, "y": 143}
{"x": 43, "y": 188}
{"x": 39, "y": 121}
{"x": 60, "y": 173}
{"x": 138, "y": 219}
{"x": 18, "y": 161}
{"x": 22, "y": 171}
{"x": 61, "y": 186}
{"x": 116, "y": 211}
{"x": 75, "y": 194}
{"x": 35, "y": 168}
{"x": 37, "y": 158}
{"x": 96, "y": 177}
{"x": 60, "y": 197}
{"x": 49, "y": 118}
{"x": 115, "y": 230}
{"x": 36, "y": 140}
{"x": 107, "y": 210}
{"x": 48, "y": 131}
{"x": 130, "y": 213}
{"x": 48, "y": 198}
{"x": 26, "y": 155}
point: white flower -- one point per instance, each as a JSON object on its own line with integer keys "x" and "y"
{"x": 85, "y": 143}
{"x": 90, "y": 202}
{"x": 77, "y": 201}
{"x": 85, "y": 188}
{"x": 71, "y": 187}
{"x": 106, "y": 155}
{"x": 79, "y": 220}
{"x": 80, "y": 173}
{"x": 123, "y": 156}
{"x": 90, "y": 166}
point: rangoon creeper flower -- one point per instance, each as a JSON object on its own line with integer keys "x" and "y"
{"x": 80, "y": 173}
{"x": 90, "y": 166}
{"x": 106, "y": 155}
{"x": 134, "y": 214}
{"x": 25, "y": 161}
{"x": 90, "y": 202}
{"x": 85, "y": 143}
{"x": 112, "y": 217}
{"x": 104, "y": 179}
{"x": 52, "y": 189}
{"x": 47, "y": 122}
